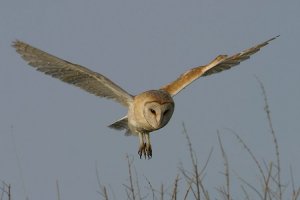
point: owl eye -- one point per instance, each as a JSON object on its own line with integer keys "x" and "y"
{"x": 152, "y": 111}
{"x": 166, "y": 111}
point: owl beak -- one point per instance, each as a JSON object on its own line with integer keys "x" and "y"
{"x": 159, "y": 118}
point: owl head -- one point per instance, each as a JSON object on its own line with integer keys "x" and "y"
{"x": 153, "y": 108}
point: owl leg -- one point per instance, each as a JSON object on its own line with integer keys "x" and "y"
{"x": 148, "y": 148}
{"x": 142, "y": 144}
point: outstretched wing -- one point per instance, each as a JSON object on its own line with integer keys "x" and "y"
{"x": 74, "y": 74}
{"x": 219, "y": 64}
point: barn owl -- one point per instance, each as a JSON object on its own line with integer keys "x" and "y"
{"x": 147, "y": 111}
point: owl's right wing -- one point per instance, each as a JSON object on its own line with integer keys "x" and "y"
{"x": 74, "y": 74}
{"x": 219, "y": 64}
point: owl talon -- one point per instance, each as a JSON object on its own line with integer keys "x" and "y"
{"x": 145, "y": 150}
{"x": 148, "y": 151}
{"x": 142, "y": 150}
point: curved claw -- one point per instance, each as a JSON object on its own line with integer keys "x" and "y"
{"x": 145, "y": 150}
{"x": 142, "y": 150}
{"x": 145, "y": 145}
{"x": 149, "y": 151}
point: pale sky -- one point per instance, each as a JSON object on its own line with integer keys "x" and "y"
{"x": 59, "y": 132}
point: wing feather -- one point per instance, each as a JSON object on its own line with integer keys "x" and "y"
{"x": 74, "y": 74}
{"x": 219, "y": 64}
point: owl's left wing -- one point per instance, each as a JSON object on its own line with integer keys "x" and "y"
{"x": 219, "y": 64}
{"x": 71, "y": 73}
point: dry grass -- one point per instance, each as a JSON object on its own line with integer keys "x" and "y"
{"x": 269, "y": 188}
{"x": 5, "y": 191}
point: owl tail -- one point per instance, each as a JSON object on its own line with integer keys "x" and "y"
{"x": 121, "y": 124}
